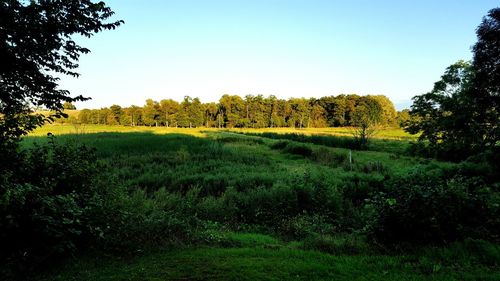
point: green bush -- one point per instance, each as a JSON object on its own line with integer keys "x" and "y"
{"x": 328, "y": 157}
{"x": 56, "y": 199}
{"x": 373, "y": 166}
{"x": 331, "y": 141}
{"x": 293, "y": 148}
{"x": 279, "y": 144}
{"x": 50, "y": 203}
{"x": 140, "y": 221}
{"x": 424, "y": 208}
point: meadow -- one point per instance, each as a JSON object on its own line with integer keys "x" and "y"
{"x": 246, "y": 187}
{"x": 269, "y": 204}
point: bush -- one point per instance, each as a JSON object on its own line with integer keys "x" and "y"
{"x": 424, "y": 208}
{"x": 56, "y": 199}
{"x": 331, "y": 141}
{"x": 140, "y": 221}
{"x": 279, "y": 144}
{"x": 50, "y": 203}
{"x": 293, "y": 148}
{"x": 373, "y": 166}
{"x": 298, "y": 149}
{"x": 328, "y": 157}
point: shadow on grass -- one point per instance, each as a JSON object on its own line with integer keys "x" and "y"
{"x": 381, "y": 145}
{"x": 108, "y": 143}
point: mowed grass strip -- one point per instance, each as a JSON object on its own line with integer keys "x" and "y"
{"x": 260, "y": 263}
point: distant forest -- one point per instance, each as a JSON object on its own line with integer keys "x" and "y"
{"x": 233, "y": 111}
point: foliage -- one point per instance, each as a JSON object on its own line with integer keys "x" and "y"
{"x": 249, "y": 112}
{"x": 69, "y": 105}
{"x": 55, "y": 201}
{"x": 36, "y": 44}
{"x": 367, "y": 115}
{"x": 461, "y": 115}
{"x": 486, "y": 54}
{"x": 436, "y": 208}
{"x": 403, "y": 117}
{"x": 440, "y": 114}
{"x": 332, "y": 141}
{"x": 50, "y": 203}
{"x": 177, "y": 189}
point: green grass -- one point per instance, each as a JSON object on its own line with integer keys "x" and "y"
{"x": 256, "y": 259}
{"x": 177, "y": 161}
{"x": 56, "y": 128}
{"x": 76, "y": 129}
{"x": 228, "y": 169}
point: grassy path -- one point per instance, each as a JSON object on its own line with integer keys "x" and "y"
{"x": 261, "y": 263}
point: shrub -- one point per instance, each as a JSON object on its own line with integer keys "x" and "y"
{"x": 141, "y": 221}
{"x": 50, "y": 203}
{"x": 373, "y": 166}
{"x": 328, "y": 157}
{"x": 279, "y": 144}
{"x": 331, "y": 141}
{"x": 424, "y": 208}
{"x": 298, "y": 149}
{"x": 293, "y": 148}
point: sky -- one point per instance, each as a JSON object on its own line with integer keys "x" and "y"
{"x": 287, "y": 48}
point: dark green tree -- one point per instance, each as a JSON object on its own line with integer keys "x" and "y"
{"x": 486, "y": 93}
{"x": 195, "y": 112}
{"x": 36, "y": 45}
{"x": 461, "y": 115}
{"x": 441, "y": 116}
{"x": 233, "y": 109}
{"x": 487, "y": 54}
{"x": 367, "y": 114}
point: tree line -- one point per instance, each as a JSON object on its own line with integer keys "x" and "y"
{"x": 252, "y": 111}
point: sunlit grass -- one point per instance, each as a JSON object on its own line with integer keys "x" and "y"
{"x": 65, "y": 129}
{"x": 383, "y": 133}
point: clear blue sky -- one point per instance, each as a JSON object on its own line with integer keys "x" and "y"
{"x": 288, "y": 48}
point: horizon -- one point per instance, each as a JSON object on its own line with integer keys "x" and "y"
{"x": 172, "y": 49}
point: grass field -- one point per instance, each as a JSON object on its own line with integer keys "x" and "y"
{"x": 383, "y": 133}
{"x": 249, "y": 190}
{"x": 260, "y": 260}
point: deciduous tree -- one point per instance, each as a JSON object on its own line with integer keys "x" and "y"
{"x": 36, "y": 44}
